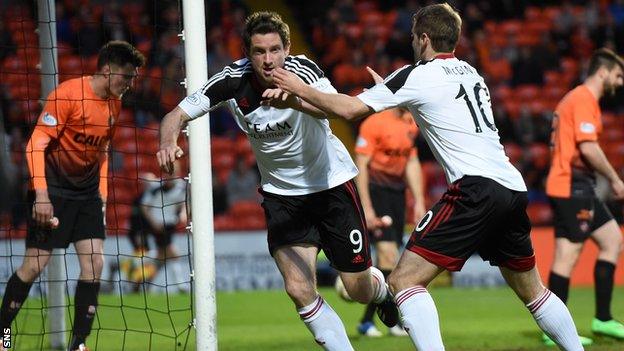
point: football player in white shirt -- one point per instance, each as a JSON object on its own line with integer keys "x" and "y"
{"x": 483, "y": 210}
{"x": 310, "y": 199}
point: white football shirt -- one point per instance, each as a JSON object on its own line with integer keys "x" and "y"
{"x": 297, "y": 154}
{"x": 451, "y": 104}
{"x": 164, "y": 205}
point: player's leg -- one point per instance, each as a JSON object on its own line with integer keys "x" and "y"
{"x": 509, "y": 246}
{"x": 386, "y": 202}
{"x": 565, "y": 258}
{"x": 40, "y": 242}
{"x": 387, "y": 256}
{"x": 19, "y": 284}
{"x": 88, "y": 237}
{"x": 293, "y": 242}
{"x": 130, "y": 267}
{"x": 408, "y": 281}
{"x": 171, "y": 259}
{"x": 550, "y": 313}
{"x": 298, "y": 267}
{"x": 447, "y": 235}
{"x": 91, "y": 259}
{"x": 345, "y": 241}
{"x": 609, "y": 240}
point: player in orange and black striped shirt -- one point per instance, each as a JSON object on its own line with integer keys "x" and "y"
{"x": 578, "y": 213}
{"x": 68, "y": 162}
{"x": 387, "y": 160}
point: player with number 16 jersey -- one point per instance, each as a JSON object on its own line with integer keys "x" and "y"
{"x": 484, "y": 209}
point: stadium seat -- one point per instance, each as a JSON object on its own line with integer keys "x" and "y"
{"x": 526, "y": 93}
{"x": 540, "y": 155}
{"x": 539, "y": 214}
{"x": 242, "y": 146}
{"x": 512, "y": 107}
{"x": 254, "y": 222}
{"x": 245, "y": 208}
{"x": 539, "y": 106}
{"x": 70, "y": 64}
{"x": 220, "y": 145}
{"x": 569, "y": 65}
{"x": 514, "y": 153}
{"x": 533, "y": 14}
{"x": 225, "y": 222}
{"x": 511, "y": 27}
{"x": 554, "y": 92}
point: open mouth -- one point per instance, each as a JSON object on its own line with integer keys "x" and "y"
{"x": 268, "y": 71}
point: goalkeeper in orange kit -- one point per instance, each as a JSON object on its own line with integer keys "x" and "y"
{"x": 68, "y": 163}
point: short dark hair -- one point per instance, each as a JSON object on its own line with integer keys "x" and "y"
{"x": 120, "y": 53}
{"x": 604, "y": 57}
{"x": 265, "y": 22}
{"x": 442, "y": 24}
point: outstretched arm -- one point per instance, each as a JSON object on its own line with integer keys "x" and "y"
{"x": 278, "y": 98}
{"x": 170, "y": 128}
{"x": 344, "y": 106}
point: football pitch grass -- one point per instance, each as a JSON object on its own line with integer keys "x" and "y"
{"x": 471, "y": 319}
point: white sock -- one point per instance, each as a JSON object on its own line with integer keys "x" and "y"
{"x": 325, "y": 325}
{"x": 379, "y": 285}
{"x": 552, "y": 315}
{"x": 420, "y": 318}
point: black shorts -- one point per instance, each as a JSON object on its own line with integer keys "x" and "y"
{"x": 476, "y": 214}
{"x": 78, "y": 220}
{"x": 140, "y": 229}
{"x": 390, "y": 202}
{"x": 576, "y": 218}
{"x": 332, "y": 219}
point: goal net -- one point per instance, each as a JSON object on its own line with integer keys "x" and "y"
{"x": 145, "y": 300}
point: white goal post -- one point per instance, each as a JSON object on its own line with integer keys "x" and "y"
{"x": 200, "y": 180}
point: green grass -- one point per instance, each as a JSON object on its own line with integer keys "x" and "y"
{"x": 471, "y": 319}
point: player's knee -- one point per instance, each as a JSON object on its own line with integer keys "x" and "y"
{"x": 360, "y": 294}
{"x": 98, "y": 265}
{"x": 300, "y": 292}
{"x": 92, "y": 269}
{"x": 28, "y": 272}
{"x": 393, "y": 282}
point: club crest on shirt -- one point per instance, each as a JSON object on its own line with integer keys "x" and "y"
{"x": 193, "y": 100}
{"x": 361, "y": 142}
{"x": 587, "y": 127}
{"x": 49, "y": 120}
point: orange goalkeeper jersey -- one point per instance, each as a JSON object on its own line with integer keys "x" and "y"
{"x": 388, "y": 138}
{"x": 81, "y": 125}
{"x": 577, "y": 119}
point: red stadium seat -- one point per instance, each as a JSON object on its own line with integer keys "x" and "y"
{"x": 540, "y": 155}
{"x": 570, "y": 65}
{"x": 513, "y": 152}
{"x": 539, "y": 214}
{"x": 241, "y": 209}
{"x": 533, "y": 13}
{"x": 526, "y": 93}
{"x": 70, "y": 64}
{"x": 511, "y": 27}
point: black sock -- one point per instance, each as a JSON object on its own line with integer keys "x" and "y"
{"x": 15, "y": 294}
{"x": 84, "y": 311}
{"x": 603, "y": 277}
{"x": 559, "y": 285}
{"x": 369, "y": 312}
